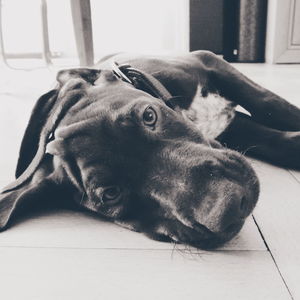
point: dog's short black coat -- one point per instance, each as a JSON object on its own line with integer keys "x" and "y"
{"x": 172, "y": 173}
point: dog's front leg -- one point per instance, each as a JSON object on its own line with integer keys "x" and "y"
{"x": 251, "y": 138}
{"x": 266, "y": 108}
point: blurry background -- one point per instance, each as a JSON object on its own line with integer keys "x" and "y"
{"x": 132, "y": 25}
{"x": 241, "y": 30}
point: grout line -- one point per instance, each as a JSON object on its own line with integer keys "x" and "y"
{"x": 290, "y": 171}
{"x": 261, "y": 234}
{"x": 273, "y": 258}
{"x": 194, "y": 250}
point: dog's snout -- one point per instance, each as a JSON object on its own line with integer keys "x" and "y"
{"x": 228, "y": 209}
{"x": 210, "y": 190}
{"x": 230, "y": 191}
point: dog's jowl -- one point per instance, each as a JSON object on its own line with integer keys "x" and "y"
{"x": 153, "y": 143}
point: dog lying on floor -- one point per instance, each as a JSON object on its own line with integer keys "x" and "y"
{"x": 152, "y": 144}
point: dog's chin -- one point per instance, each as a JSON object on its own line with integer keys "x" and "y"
{"x": 216, "y": 240}
{"x": 202, "y": 238}
{"x": 197, "y": 235}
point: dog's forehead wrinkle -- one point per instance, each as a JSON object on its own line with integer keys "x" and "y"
{"x": 83, "y": 106}
{"x": 87, "y": 74}
{"x": 75, "y": 85}
{"x": 106, "y": 76}
{"x": 72, "y": 127}
{"x": 116, "y": 88}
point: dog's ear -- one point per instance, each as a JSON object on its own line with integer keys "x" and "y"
{"x": 36, "y": 173}
{"x": 30, "y": 142}
{"x": 35, "y": 190}
{"x": 27, "y": 186}
{"x": 67, "y": 80}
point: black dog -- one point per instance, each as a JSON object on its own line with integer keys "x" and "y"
{"x": 142, "y": 142}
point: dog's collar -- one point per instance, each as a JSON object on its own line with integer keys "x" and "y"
{"x": 143, "y": 81}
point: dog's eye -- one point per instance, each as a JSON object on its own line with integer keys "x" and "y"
{"x": 111, "y": 194}
{"x": 149, "y": 116}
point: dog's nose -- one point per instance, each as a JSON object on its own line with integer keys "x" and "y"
{"x": 225, "y": 205}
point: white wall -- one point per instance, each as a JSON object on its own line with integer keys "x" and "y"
{"x": 135, "y": 25}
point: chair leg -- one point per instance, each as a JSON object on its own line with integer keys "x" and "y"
{"x": 46, "y": 45}
{"x": 82, "y": 22}
{"x": 2, "y": 47}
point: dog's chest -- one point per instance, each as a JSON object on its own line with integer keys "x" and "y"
{"x": 211, "y": 114}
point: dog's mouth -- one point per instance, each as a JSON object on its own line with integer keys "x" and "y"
{"x": 198, "y": 236}
{"x": 215, "y": 240}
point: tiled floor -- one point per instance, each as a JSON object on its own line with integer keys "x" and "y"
{"x": 75, "y": 255}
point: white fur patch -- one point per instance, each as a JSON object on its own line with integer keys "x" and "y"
{"x": 211, "y": 114}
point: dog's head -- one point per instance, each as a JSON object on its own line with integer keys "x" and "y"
{"x": 124, "y": 154}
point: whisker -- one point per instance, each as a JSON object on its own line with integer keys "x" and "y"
{"x": 249, "y": 148}
{"x": 82, "y": 197}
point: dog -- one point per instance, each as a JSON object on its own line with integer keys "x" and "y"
{"x": 154, "y": 144}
